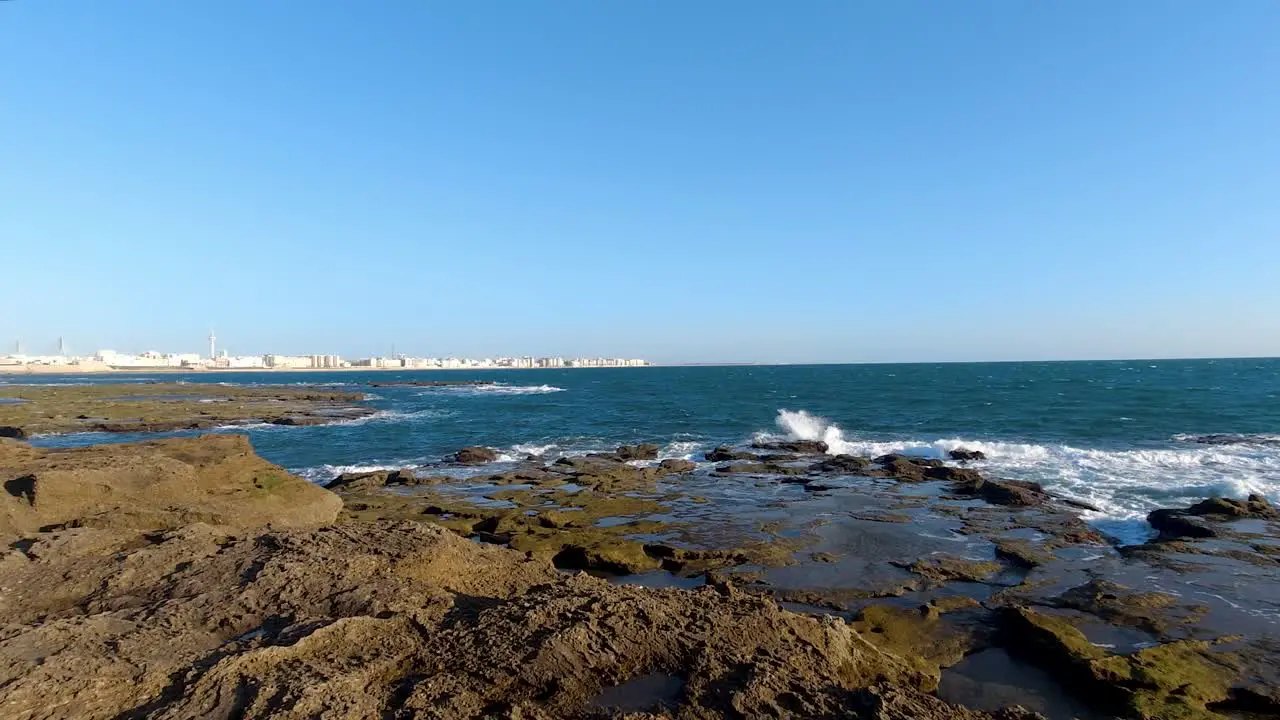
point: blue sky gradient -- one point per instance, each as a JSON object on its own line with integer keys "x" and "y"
{"x": 710, "y": 181}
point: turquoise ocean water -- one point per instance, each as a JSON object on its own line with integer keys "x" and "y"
{"x": 1121, "y": 435}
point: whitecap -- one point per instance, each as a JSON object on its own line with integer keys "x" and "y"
{"x": 1125, "y": 484}
{"x": 323, "y": 474}
{"x": 496, "y": 389}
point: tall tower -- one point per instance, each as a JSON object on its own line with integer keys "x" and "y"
{"x": 62, "y": 346}
{"x": 213, "y": 346}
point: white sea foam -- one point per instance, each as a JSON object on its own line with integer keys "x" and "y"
{"x": 535, "y": 449}
{"x": 498, "y": 389}
{"x": 322, "y": 474}
{"x": 800, "y": 425}
{"x": 1124, "y": 484}
{"x": 394, "y": 416}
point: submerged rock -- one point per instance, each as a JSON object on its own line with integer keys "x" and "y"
{"x": 1154, "y": 612}
{"x": 946, "y": 568}
{"x": 1176, "y": 680}
{"x": 1022, "y": 553}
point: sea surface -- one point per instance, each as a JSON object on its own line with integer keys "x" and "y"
{"x": 1119, "y": 435}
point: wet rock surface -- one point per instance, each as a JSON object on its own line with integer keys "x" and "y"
{"x": 475, "y": 455}
{"x": 796, "y": 587}
{"x": 153, "y": 485}
{"x": 165, "y": 407}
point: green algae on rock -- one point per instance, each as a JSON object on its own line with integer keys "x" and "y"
{"x": 159, "y": 407}
{"x": 1172, "y": 681}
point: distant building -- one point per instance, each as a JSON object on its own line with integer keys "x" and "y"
{"x": 287, "y": 362}
{"x": 326, "y": 361}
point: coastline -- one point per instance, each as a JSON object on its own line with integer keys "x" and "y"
{"x": 196, "y": 559}
{"x": 95, "y": 369}
{"x": 878, "y": 580}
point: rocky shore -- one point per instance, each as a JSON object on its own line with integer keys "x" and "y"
{"x": 27, "y": 410}
{"x": 190, "y": 578}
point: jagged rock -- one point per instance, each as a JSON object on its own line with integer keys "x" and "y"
{"x": 744, "y": 468}
{"x": 1207, "y": 518}
{"x": 889, "y": 702}
{"x": 801, "y": 447}
{"x": 757, "y": 468}
{"x": 964, "y": 455}
{"x": 725, "y": 453}
{"x": 1255, "y": 506}
{"x": 851, "y": 464}
{"x": 1175, "y": 524}
{"x": 365, "y": 481}
{"x": 1013, "y": 493}
{"x": 644, "y": 451}
{"x": 676, "y": 465}
{"x": 953, "y": 474}
{"x": 896, "y": 458}
{"x": 475, "y": 455}
{"x": 906, "y": 468}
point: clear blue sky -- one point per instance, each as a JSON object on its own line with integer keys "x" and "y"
{"x": 710, "y": 181}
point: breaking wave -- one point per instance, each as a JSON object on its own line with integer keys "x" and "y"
{"x": 323, "y": 474}
{"x": 1124, "y": 484}
{"x": 496, "y": 389}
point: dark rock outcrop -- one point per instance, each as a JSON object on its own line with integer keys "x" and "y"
{"x": 725, "y": 453}
{"x": 1012, "y": 493}
{"x": 849, "y": 464}
{"x": 475, "y": 455}
{"x": 643, "y": 451}
{"x": 13, "y": 432}
{"x": 364, "y": 481}
{"x": 676, "y": 465}
{"x": 1255, "y": 506}
{"x": 1177, "y": 524}
{"x": 800, "y": 447}
{"x": 1209, "y": 518}
{"x": 965, "y": 455}
{"x": 896, "y": 458}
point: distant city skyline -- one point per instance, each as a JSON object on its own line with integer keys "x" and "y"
{"x": 721, "y": 181}
{"x": 213, "y": 349}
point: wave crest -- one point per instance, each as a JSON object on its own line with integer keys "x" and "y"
{"x": 1124, "y": 484}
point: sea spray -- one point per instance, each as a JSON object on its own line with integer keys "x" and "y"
{"x": 1124, "y": 484}
{"x": 800, "y": 425}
